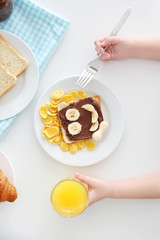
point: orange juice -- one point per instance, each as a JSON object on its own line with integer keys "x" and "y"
{"x": 69, "y": 198}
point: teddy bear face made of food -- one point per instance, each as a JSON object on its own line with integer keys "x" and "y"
{"x": 80, "y": 119}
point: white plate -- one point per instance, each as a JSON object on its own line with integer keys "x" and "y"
{"x": 112, "y": 112}
{"x": 19, "y": 96}
{"x": 6, "y": 167}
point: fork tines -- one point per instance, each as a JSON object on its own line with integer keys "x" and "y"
{"x": 86, "y": 77}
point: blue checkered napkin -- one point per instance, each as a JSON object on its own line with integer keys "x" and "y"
{"x": 40, "y": 29}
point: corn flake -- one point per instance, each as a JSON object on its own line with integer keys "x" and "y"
{"x": 90, "y": 145}
{"x": 80, "y": 145}
{"x": 48, "y": 104}
{"x": 51, "y": 114}
{"x": 44, "y": 135}
{"x": 55, "y": 124}
{"x": 57, "y": 139}
{"x": 47, "y": 120}
{"x": 64, "y": 146}
{"x": 57, "y": 94}
{"x": 55, "y": 101}
{"x": 44, "y": 129}
{"x": 53, "y": 109}
{"x": 50, "y": 140}
{"x": 51, "y": 131}
{"x": 73, "y": 148}
{"x": 43, "y": 111}
{"x": 55, "y": 119}
{"x": 82, "y": 94}
{"x": 67, "y": 98}
{"x": 74, "y": 94}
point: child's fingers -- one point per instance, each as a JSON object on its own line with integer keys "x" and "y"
{"x": 98, "y": 48}
{"x": 108, "y": 41}
{"x": 88, "y": 180}
{"x": 106, "y": 56}
{"x": 99, "y": 41}
{"x": 97, "y": 44}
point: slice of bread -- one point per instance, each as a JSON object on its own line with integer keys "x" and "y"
{"x": 11, "y": 59}
{"x": 95, "y": 99}
{"x": 7, "y": 80}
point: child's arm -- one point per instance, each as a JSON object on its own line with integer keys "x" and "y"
{"x": 141, "y": 187}
{"x": 146, "y": 48}
{"x": 119, "y": 48}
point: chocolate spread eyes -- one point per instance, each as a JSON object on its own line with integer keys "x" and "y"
{"x": 6, "y": 8}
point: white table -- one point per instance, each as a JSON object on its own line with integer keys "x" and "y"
{"x": 137, "y": 83}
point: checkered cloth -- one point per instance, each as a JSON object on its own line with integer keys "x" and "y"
{"x": 40, "y": 29}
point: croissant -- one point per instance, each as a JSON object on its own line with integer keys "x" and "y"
{"x": 7, "y": 191}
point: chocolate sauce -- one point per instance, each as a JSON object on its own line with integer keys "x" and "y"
{"x": 84, "y": 119}
{"x": 6, "y": 8}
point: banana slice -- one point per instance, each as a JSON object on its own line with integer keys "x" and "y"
{"x": 94, "y": 126}
{"x": 72, "y": 114}
{"x": 94, "y": 116}
{"x": 88, "y": 107}
{"x": 74, "y": 128}
{"x": 62, "y": 105}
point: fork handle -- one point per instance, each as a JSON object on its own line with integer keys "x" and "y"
{"x": 119, "y": 25}
{"x": 121, "y": 22}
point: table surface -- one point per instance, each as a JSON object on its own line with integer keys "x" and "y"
{"x": 137, "y": 84}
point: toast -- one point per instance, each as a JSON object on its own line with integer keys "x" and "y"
{"x": 11, "y": 58}
{"x": 84, "y": 118}
{"x": 7, "y": 80}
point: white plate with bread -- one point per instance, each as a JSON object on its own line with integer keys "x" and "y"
{"x": 112, "y": 113}
{"x": 19, "y": 75}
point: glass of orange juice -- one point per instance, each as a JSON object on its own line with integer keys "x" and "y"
{"x": 69, "y": 197}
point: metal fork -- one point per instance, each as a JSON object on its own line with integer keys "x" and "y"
{"x": 93, "y": 67}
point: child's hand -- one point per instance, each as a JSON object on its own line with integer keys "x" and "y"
{"x": 118, "y": 48}
{"x": 97, "y": 189}
{"x": 134, "y": 188}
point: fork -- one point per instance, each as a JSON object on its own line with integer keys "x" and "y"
{"x": 93, "y": 66}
